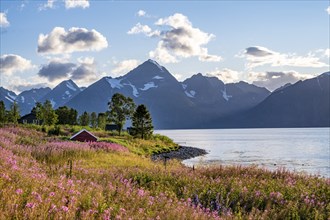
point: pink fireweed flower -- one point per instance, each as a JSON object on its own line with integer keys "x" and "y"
{"x": 65, "y": 209}
{"x": 141, "y": 192}
{"x": 19, "y": 191}
{"x": 52, "y": 194}
{"x": 30, "y": 205}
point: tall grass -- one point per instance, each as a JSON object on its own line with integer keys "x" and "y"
{"x": 106, "y": 181}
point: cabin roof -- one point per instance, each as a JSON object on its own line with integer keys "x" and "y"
{"x": 75, "y": 135}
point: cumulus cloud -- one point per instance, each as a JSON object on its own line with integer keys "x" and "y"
{"x": 274, "y": 80}
{"x": 328, "y": 10}
{"x": 56, "y": 70}
{"x": 144, "y": 29}
{"x": 3, "y": 20}
{"x": 76, "y": 4}
{"x": 259, "y": 56}
{"x": 20, "y": 86}
{"x": 125, "y": 66}
{"x": 48, "y": 5}
{"x": 226, "y": 75}
{"x": 180, "y": 40}
{"x": 11, "y": 63}
{"x": 141, "y": 13}
{"x": 83, "y": 71}
{"x": 75, "y": 39}
{"x": 327, "y": 52}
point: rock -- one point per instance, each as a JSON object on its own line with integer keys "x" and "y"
{"x": 183, "y": 153}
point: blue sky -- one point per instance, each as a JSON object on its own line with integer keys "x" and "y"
{"x": 268, "y": 43}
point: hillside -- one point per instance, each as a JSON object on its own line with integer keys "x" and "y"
{"x": 47, "y": 178}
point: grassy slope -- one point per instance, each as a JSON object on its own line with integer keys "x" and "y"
{"x": 38, "y": 181}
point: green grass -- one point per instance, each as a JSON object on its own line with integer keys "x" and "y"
{"x": 122, "y": 185}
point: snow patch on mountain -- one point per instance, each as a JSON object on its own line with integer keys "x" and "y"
{"x": 22, "y": 99}
{"x": 135, "y": 91}
{"x": 114, "y": 83}
{"x": 184, "y": 86}
{"x": 11, "y": 96}
{"x": 53, "y": 102}
{"x": 9, "y": 99}
{"x": 159, "y": 66}
{"x": 148, "y": 85}
{"x": 225, "y": 95}
{"x": 190, "y": 94}
{"x": 158, "y": 77}
{"x": 70, "y": 86}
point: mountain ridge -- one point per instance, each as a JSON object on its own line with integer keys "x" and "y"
{"x": 197, "y": 102}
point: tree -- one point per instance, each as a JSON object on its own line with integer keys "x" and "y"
{"x": 39, "y": 112}
{"x": 66, "y": 115}
{"x": 101, "y": 120}
{"x": 121, "y": 109}
{"x": 84, "y": 119}
{"x": 45, "y": 113}
{"x": 73, "y": 116}
{"x": 142, "y": 122}
{"x": 48, "y": 113}
{"x": 63, "y": 114}
{"x": 2, "y": 112}
{"x": 93, "y": 120}
{"x": 13, "y": 114}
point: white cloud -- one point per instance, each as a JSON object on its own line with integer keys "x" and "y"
{"x": 259, "y": 56}
{"x": 328, "y": 10}
{"x": 56, "y": 70}
{"x": 18, "y": 84}
{"x": 76, "y": 39}
{"x": 327, "y": 52}
{"x": 76, "y": 4}
{"x": 141, "y": 13}
{"x": 274, "y": 80}
{"x": 3, "y": 20}
{"x": 144, "y": 29}
{"x": 86, "y": 60}
{"x": 11, "y": 63}
{"x": 180, "y": 40}
{"x": 125, "y": 66}
{"x": 226, "y": 75}
{"x": 48, "y": 5}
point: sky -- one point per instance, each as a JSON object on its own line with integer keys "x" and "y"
{"x": 267, "y": 43}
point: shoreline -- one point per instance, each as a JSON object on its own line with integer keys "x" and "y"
{"x": 183, "y": 153}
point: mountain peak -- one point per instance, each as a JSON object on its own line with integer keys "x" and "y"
{"x": 68, "y": 84}
{"x": 155, "y": 63}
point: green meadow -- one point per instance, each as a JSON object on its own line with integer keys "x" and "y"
{"x": 43, "y": 176}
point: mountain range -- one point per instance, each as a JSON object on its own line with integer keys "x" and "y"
{"x": 197, "y": 102}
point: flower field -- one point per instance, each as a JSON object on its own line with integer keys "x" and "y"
{"x": 46, "y": 178}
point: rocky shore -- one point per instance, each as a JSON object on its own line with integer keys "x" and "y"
{"x": 183, "y": 153}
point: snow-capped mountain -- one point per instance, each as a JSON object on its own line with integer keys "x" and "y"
{"x": 61, "y": 94}
{"x": 303, "y": 104}
{"x": 198, "y": 102}
{"x": 7, "y": 96}
{"x": 150, "y": 84}
{"x": 214, "y": 99}
{"x": 27, "y": 99}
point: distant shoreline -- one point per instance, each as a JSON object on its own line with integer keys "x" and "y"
{"x": 183, "y": 153}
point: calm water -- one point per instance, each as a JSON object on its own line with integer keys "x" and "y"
{"x": 299, "y": 149}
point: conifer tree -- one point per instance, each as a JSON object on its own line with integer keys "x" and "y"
{"x": 142, "y": 122}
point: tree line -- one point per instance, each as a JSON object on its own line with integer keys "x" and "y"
{"x": 120, "y": 109}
